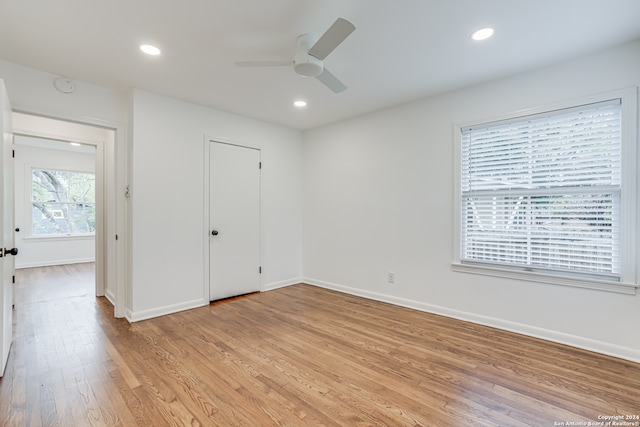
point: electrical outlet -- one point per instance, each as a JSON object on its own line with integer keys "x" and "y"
{"x": 391, "y": 277}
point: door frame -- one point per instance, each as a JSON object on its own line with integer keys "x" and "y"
{"x": 208, "y": 140}
{"x": 7, "y": 235}
{"x": 110, "y": 162}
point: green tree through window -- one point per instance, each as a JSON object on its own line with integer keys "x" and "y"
{"x": 64, "y": 202}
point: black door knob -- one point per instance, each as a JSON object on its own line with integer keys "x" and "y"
{"x": 214, "y": 233}
{"x": 13, "y": 251}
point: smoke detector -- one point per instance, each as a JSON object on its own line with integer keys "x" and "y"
{"x": 64, "y": 85}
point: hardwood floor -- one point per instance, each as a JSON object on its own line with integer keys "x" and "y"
{"x": 296, "y": 356}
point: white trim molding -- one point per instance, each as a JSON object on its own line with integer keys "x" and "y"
{"x": 162, "y": 311}
{"x": 56, "y": 262}
{"x": 111, "y": 165}
{"x": 535, "y": 276}
{"x": 281, "y": 284}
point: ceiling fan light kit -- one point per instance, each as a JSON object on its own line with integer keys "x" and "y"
{"x": 307, "y": 65}
{"x": 309, "y": 59}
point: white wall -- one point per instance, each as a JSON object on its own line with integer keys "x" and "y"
{"x": 378, "y": 197}
{"x": 38, "y": 252}
{"x": 165, "y": 269}
{"x": 32, "y": 91}
{"x": 168, "y": 172}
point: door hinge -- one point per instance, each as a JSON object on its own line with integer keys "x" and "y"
{"x": 259, "y": 270}
{"x": 13, "y": 153}
{"x": 260, "y": 165}
{"x": 14, "y": 279}
{"x": 116, "y": 237}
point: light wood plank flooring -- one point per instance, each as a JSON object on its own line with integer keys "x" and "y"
{"x": 297, "y": 356}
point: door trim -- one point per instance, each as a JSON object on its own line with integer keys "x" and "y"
{"x": 113, "y": 168}
{"x": 208, "y": 140}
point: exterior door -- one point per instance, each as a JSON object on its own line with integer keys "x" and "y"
{"x": 6, "y": 230}
{"x": 234, "y": 220}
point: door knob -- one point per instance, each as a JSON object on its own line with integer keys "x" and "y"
{"x": 214, "y": 233}
{"x": 13, "y": 251}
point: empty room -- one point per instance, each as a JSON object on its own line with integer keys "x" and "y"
{"x": 365, "y": 212}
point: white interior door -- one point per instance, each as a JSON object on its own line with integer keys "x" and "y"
{"x": 6, "y": 230}
{"x": 234, "y": 220}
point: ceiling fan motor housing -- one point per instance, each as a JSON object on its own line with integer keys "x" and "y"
{"x": 307, "y": 65}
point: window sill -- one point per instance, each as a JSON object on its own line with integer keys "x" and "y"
{"x": 58, "y": 238}
{"x": 577, "y": 282}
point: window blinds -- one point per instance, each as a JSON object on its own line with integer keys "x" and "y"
{"x": 543, "y": 191}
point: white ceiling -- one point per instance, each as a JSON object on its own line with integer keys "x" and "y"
{"x": 401, "y": 49}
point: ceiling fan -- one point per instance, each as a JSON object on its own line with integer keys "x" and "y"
{"x": 308, "y": 60}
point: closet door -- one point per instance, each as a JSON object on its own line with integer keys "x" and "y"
{"x": 234, "y": 220}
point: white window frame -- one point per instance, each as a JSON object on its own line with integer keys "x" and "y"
{"x": 630, "y": 185}
{"x": 29, "y": 207}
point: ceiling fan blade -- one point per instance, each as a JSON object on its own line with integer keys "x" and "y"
{"x": 335, "y": 35}
{"x": 263, "y": 63}
{"x": 331, "y": 81}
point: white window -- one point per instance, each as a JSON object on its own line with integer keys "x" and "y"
{"x": 62, "y": 203}
{"x": 549, "y": 194}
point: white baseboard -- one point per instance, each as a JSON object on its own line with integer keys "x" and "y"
{"x": 281, "y": 284}
{"x": 584, "y": 343}
{"x": 136, "y": 316}
{"x": 170, "y": 309}
{"x": 36, "y": 264}
{"x": 110, "y": 296}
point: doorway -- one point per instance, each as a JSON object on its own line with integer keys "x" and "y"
{"x": 233, "y": 220}
{"x": 55, "y": 202}
{"x": 52, "y": 134}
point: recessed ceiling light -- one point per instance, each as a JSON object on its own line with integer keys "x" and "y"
{"x": 150, "y": 49}
{"x": 482, "y": 34}
{"x": 300, "y": 104}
